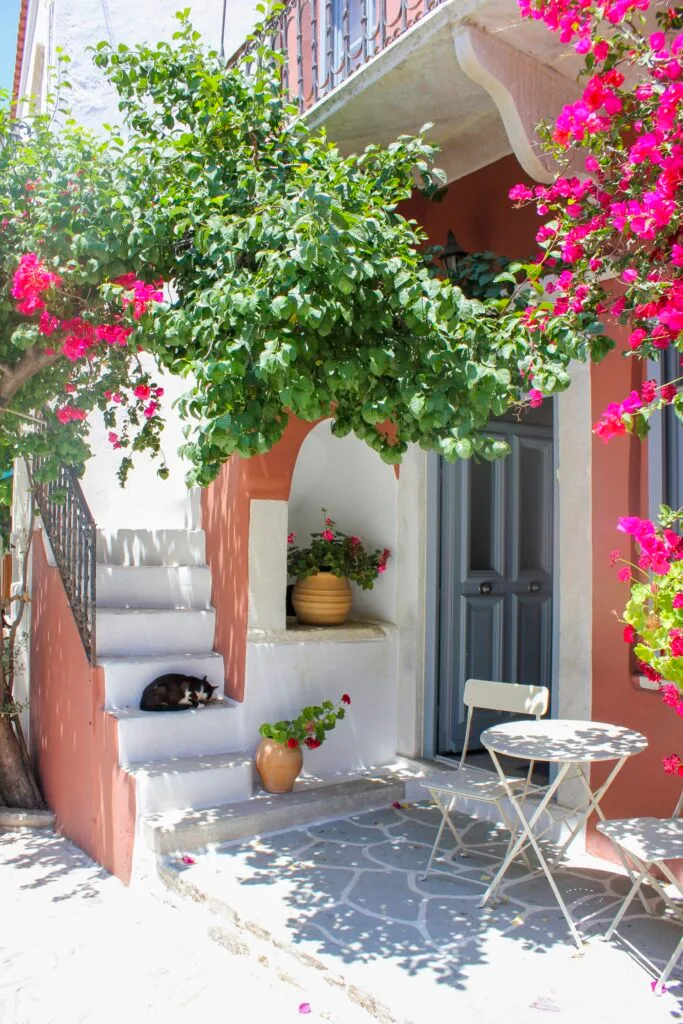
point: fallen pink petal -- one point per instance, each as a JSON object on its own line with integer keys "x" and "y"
{"x": 304, "y": 1007}
{"x": 186, "y": 859}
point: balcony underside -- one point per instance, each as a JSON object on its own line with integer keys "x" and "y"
{"x": 428, "y": 75}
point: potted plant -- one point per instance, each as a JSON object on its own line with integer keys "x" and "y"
{"x": 279, "y": 756}
{"x": 323, "y": 569}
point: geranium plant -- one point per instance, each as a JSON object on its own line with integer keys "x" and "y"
{"x": 332, "y": 550}
{"x": 653, "y": 617}
{"x": 310, "y": 727}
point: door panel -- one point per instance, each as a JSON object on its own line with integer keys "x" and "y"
{"x": 495, "y": 573}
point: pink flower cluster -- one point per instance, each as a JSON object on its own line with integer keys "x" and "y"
{"x": 611, "y": 423}
{"x": 31, "y": 280}
{"x": 626, "y": 217}
{"x": 673, "y": 765}
{"x": 672, "y": 697}
{"x": 659, "y": 548}
{"x": 67, "y": 413}
{"x": 143, "y": 294}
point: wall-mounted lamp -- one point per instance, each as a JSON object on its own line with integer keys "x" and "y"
{"x": 452, "y": 252}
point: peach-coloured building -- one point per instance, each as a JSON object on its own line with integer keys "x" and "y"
{"x": 498, "y": 571}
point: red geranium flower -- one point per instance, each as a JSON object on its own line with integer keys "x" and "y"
{"x": 345, "y": 699}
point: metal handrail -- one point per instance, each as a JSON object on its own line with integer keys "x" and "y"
{"x": 321, "y": 45}
{"x": 72, "y": 533}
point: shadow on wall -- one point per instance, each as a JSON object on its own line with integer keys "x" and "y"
{"x": 359, "y": 491}
{"x": 73, "y": 741}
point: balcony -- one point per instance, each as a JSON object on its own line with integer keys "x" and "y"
{"x": 370, "y": 70}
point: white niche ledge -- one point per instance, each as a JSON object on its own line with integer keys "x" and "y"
{"x": 366, "y": 631}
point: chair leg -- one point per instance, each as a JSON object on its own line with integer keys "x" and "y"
{"x": 445, "y": 821}
{"x": 635, "y": 889}
{"x": 663, "y": 978}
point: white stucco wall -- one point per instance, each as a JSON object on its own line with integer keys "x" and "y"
{"x": 147, "y": 502}
{"x": 282, "y": 678}
{"x": 359, "y": 491}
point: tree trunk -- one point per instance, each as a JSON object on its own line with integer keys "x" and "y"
{"x": 18, "y": 787}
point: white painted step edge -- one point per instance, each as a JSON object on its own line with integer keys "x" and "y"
{"x": 154, "y": 586}
{"x": 192, "y": 783}
{"x": 160, "y": 735}
{"x": 137, "y": 631}
{"x": 151, "y": 547}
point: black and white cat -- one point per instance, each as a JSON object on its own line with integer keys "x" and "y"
{"x": 176, "y": 692}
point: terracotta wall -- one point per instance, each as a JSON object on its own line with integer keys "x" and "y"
{"x": 73, "y": 742}
{"x": 477, "y": 210}
{"x": 620, "y": 488}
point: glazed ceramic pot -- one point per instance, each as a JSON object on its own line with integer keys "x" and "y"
{"x": 278, "y": 765}
{"x": 322, "y": 600}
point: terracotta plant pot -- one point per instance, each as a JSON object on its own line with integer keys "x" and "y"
{"x": 278, "y": 766}
{"x": 322, "y": 600}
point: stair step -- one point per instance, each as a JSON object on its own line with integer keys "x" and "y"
{"x": 126, "y": 676}
{"x": 159, "y": 735}
{"x": 172, "y": 832}
{"x": 154, "y": 630}
{"x": 151, "y": 547}
{"x": 192, "y": 782}
{"x": 153, "y": 586}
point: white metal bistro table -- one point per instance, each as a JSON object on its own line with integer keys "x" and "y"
{"x": 573, "y": 746}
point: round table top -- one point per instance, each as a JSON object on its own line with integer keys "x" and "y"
{"x": 561, "y": 739}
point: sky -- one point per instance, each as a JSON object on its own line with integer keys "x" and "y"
{"x": 9, "y": 18}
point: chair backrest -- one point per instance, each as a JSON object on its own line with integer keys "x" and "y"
{"x": 515, "y": 698}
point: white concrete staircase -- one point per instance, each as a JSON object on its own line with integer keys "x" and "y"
{"x": 154, "y": 616}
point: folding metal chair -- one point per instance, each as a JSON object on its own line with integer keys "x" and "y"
{"x": 476, "y": 783}
{"x": 648, "y": 843}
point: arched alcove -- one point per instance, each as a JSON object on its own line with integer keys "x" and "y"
{"x": 359, "y": 491}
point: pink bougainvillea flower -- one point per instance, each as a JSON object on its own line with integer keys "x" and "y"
{"x": 649, "y": 672}
{"x": 142, "y": 391}
{"x": 535, "y": 398}
{"x": 670, "y": 695}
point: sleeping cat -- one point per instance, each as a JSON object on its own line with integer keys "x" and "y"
{"x": 176, "y": 692}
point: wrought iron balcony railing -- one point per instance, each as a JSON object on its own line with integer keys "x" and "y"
{"x": 71, "y": 531}
{"x": 325, "y": 41}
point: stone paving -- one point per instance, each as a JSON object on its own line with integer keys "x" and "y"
{"x": 77, "y": 946}
{"x": 349, "y": 895}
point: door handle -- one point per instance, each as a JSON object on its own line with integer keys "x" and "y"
{"x": 534, "y": 586}
{"x": 485, "y": 588}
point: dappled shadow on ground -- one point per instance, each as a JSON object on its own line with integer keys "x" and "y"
{"x": 50, "y": 862}
{"x": 354, "y": 889}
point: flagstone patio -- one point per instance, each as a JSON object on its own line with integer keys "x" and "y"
{"x": 347, "y": 898}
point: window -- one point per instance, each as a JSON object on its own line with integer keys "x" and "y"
{"x": 665, "y": 442}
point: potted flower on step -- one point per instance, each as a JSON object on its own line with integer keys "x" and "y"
{"x": 279, "y": 756}
{"x": 323, "y": 569}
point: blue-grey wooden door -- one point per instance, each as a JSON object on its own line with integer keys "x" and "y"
{"x": 495, "y": 573}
